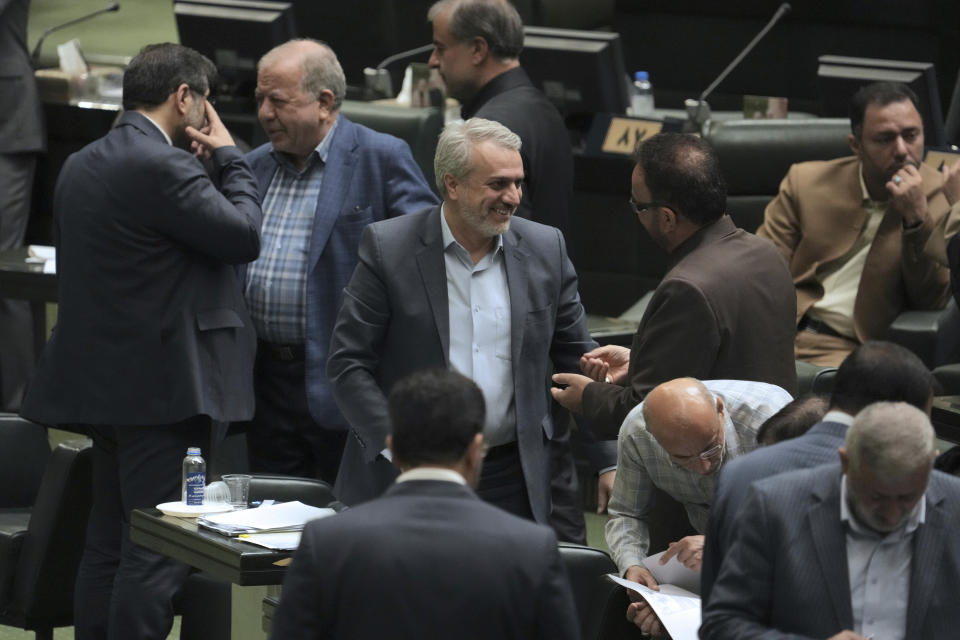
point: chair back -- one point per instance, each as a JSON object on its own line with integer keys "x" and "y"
{"x": 47, "y": 568}
{"x": 23, "y": 458}
{"x": 601, "y": 604}
{"x": 315, "y": 493}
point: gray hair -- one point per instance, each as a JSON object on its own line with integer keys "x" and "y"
{"x": 456, "y": 143}
{"x": 496, "y": 21}
{"x": 321, "y": 68}
{"x": 891, "y": 438}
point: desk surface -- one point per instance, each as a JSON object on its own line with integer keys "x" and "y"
{"x": 23, "y": 280}
{"x": 226, "y": 558}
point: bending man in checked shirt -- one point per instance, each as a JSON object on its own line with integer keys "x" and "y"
{"x": 676, "y": 440}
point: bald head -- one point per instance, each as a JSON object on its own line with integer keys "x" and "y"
{"x": 687, "y": 420}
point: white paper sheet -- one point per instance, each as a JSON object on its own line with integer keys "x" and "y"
{"x": 678, "y": 609}
{"x": 673, "y": 573}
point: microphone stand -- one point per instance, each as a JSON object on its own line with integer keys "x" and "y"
{"x": 698, "y": 111}
{"x": 35, "y": 55}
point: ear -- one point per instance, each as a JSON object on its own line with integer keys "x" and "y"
{"x": 326, "y": 101}
{"x": 668, "y": 219}
{"x": 389, "y": 444}
{"x": 180, "y": 97}
{"x": 844, "y": 460}
{"x": 854, "y": 143}
{"x": 479, "y": 50}
{"x": 720, "y": 408}
{"x": 475, "y": 451}
{"x": 451, "y": 183}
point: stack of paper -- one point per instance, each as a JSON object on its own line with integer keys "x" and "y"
{"x": 287, "y": 516}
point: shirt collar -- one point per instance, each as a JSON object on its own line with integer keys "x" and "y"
{"x": 449, "y": 240}
{"x": 159, "y": 128}
{"x": 431, "y": 473}
{"x": 841, "y": 417}
{"x": 917, "y": 517}
{"x": 321, "y": 152}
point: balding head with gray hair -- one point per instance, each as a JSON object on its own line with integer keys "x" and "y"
{"x": 496, "y": 21}
{"x": 891, "y": 438}
{"x": 456, "y": 143}
{"x": 321, "y": 68}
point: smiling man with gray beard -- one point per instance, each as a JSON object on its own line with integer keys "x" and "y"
{"x": 466, "y": 286}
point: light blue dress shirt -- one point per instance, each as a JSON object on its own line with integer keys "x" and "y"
{"x": 480, "y": 339}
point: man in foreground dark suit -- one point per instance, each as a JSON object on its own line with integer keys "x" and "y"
{"x": 469, "y": 287}
{"x": 875, "y": 371}
{"x": 862, "y": 549}
{"x": 428, "y": 559}
{"x": 153, "y": 340}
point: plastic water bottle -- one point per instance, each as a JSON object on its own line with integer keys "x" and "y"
{"x": 194, "y": 477}
{"x": 641, "y": 96}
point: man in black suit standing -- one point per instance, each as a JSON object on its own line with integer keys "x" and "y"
{"x": 429, "y": 559}
{"x": 153, "y": 340}
{"x": 22, "y": 138}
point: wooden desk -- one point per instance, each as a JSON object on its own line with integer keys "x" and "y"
{"x": 226, "y": 558}
{"x": 22, "y": 280}
{"x": 946, "y": 418}
{"x": 254, "y": 571}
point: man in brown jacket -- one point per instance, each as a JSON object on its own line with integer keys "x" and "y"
{"x": 864, "y": 235}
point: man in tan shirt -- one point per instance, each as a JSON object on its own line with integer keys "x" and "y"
{"x": 864, "y": 235}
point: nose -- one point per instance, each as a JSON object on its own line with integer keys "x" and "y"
{"x": 265, "y": 110}
{"x": 901, "y": 148}
{"x": 890, "y": 514}
{"x": 513, "y": 195}
{"x": 434, "y": 60}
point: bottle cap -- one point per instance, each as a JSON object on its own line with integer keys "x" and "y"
{"x": 641, "y": 75}
{"x": 193, "y": 451}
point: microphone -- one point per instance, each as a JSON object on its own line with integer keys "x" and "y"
{"x": 35, "y": 56}
{"x": 377, "y": 80}
{"x": 698, "y": 111}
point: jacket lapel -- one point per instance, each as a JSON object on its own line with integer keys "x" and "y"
{"x": 515, "y": 261}
{"x": 927, "y": 541}
{"x": 337, "y": 176}
{"x": 830, "y": 544}
{"x": 433, "y": 272}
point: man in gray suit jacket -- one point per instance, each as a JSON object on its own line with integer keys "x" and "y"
{"x": 21, "y": 138}
{"x": 468, "y": 287}
{"x": 866, "y": 549}
{"x": 153, "y": 340}
{"x": 428, "y": 559}
{"x": 874, "y": 372}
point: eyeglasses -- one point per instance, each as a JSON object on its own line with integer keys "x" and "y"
{"x": 640, "y": 207}
{"x": 708, "y": 455}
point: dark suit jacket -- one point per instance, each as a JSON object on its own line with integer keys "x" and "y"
{"x": 512, "y": 100}
{"x": 725, "y": 310}
{"x": 816, "y": 447}
{"x": 394, "y": 320}
{"x": 786, "y": 573}
{"x": 369, "y": 176}
{"x": 152, "y": 327}
{"x": 427, "y": 560}
{"x": 21, "y": 121}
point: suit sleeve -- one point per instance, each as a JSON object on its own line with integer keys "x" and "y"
{"x": 299, "y": 615}
{"x": 740, "y": 602}
{"x": 406, "y": 190}
{"x": 224, "y": 223}
{"x": 571, "y": 339}
{"x": 923, "y": 264}
{"x": 679, "y": 336}
{"x": 556, "y": 611}
{"x": 355, "y": 348}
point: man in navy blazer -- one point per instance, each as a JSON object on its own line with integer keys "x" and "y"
{"x": 864, "y": 549}
{"x": 469, "y": 287}
{"x": 153, "y": 340}
{"x": 428, "y": 559}
{"x": 322, "y": 179}
{"x": 875, "y": 371}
